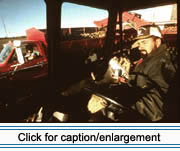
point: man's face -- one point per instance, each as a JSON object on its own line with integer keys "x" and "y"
{"x": 146, "y": 46}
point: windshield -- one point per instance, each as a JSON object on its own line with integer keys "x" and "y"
{"x": 5, "y": 53}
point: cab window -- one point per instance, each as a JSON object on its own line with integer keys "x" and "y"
{"x": 82, "y": 22}
{"x": 30, "y": 52}
{"x": 132, "y": 20}
{"x": 167, "y": 21}
{"x": 13, "y": 59}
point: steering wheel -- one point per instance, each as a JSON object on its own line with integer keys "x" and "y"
{"x": 113, "y": 107}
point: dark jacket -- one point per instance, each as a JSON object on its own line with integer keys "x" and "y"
{"x": 151, "y": 80}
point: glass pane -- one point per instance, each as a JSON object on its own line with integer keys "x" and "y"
{"x": 167, "y": 21}
{"x": 81, "y": 22}
{"x": 82, "y": 39}
{"x": 18, "y": 16}
{"x": 20, "y": 20}
{"x": 132, "y": 20}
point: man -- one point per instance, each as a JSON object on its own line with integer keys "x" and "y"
{"x": 154, "y": 74}
{"x": 31, "y": 52}
{"x": 151, "y": 78}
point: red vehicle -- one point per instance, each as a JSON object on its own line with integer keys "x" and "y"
{"x": 27, "y": 59}
{"x": 23, "y": 60}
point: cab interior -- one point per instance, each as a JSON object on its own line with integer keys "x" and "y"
{"x": 62, "y": 74}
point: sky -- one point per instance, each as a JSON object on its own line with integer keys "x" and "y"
{"x": 16, "y": 16}
{"x": 81, "y": 15}
{"x": 162, "y": 13}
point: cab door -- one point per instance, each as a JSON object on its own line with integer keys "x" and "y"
{"x": 31, "y": 69}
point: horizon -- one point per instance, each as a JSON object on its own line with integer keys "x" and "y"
{"x": 14, "y": 24}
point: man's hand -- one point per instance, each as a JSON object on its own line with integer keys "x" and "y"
{"x": 125, "y": 64}
{"x": 96, "y": 103}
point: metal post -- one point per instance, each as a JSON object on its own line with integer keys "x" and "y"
{"x": 121, "y": 29}
{"x": 53, "y": 34}
{"x": 178, "y": 35}
{"x": 110, "y": 35}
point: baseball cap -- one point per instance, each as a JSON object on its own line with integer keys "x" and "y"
{"x": 148, "y": 31}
